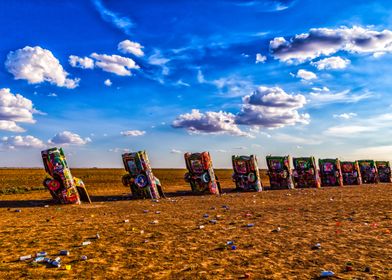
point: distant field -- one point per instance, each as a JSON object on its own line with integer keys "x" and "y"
{"x": 352, "y": 224}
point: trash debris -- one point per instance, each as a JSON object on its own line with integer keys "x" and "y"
{"x": 154, "y": 222}
{"x": 276, "y": 230}
{"x": 157, "y": 212}
{"x": 41, "y": 254}
{"x": 46, "y": 206}
{"x": 213, "y": 221}
{"x": 205, "y": 216}
{"x": 64, "y": 253}
{"x": 250, "y": 225}
{"x": 18, "y": 210}
{"x": 201, "y": 227}
{"x": 24, "y": 258}
{"x": 146, "y": 211}
{"x": 233, "y": 247}
{"x": 84, "y": 258}
{"x": 155, "y": 200}
{"x": 316, "y": 246}
{"x": 68, "y": 267}
{"x": 126, "y": 221}
{"x": 55, "y": 264}
{"x": 230, "y": 242}
{"x": 349, "y": 266}
{"x": 97, "y": 236}
{"x": 39, "y": 259}
{"x": 326, "y": 273}
{"x": 85, "y": 243}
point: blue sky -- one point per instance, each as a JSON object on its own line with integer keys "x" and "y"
{"x": 99, "y": 78}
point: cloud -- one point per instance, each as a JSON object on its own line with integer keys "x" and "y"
{"x": 68, "y": 138}
{"x": 115, "y": 64}
{"x": 158, "y": 59}
{"x": 345, "y": 116}
{"x": 272, "y": 107}
{"x": 327, "y": 97}
{"x": 133, "y": 133}
{"x": 174, "y": 151}
{"x": 14, "y": 142}
{"x": 130, "y": 47}
{"x": 286, "y": 138}
{"x": 325, "y": 41}
{"x": 335, "y": 62}
{"x": 349, "y": 130}
{"x": 122, "y": 23}
{"x": 375, "y": 152}
{"x": 15, "y": 108}
{"x": 306, "y": 75}
{"x": 108, "y": 82}
{"x": 117, "y": 150}
{"x": 200, "y": 77}
{"x": 208, "y": 123}
{"x": 260, "y": 58}
{"x": 81, "y": 62}
{"x": 37, "y": 65}
{"x": 233, "y": 86}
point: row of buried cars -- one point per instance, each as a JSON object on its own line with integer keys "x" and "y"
{"x": 65, "y": 188}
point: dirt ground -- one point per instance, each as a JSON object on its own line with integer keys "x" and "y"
{"x": 163, "y": 240}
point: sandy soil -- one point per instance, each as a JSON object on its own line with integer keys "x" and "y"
{"x": 352, "y": 224}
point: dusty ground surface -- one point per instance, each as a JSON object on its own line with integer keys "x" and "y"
{"x": 351, "y": 224}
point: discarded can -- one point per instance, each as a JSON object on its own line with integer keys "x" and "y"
{"x": 85, "y": 243}
{"x": 47, "y": 260}
{"x": 316, "y": 246}
{"x": 213, "y": 221}
{"x": 23, "y": 258}
{"x": 230, "y": 242}
{"x": 55, "y": 264}
{"x": 327, "y": 273}
{"x": 41, "y": 254}
{"x": 18, "y": 210}
{"x": 205, "y": 216}
{"x": 84, "y": 258}
{"x": 154, "y": 222}
{"x": 201, "y": 227}
{"x": 68, "y": 267}
{"x": 250, "y": 225}
{"x": 58, "y": 259}
{"x": 64, "y": 253}
{"x": 46, "y": 206}
{"x": 157, "y": 212}
{"x": 39, "y": 259}
{"x": 126, "y": 221}
{"x": 146, "y": 211}
{"x": 97, "y": 236}
{"x": 233, "y": 247}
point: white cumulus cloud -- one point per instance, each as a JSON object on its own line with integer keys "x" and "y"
{"x": 209, "y": 122}
{"x": 37, "y": 65}
{"x": 15, "y": 108}
{"x": 81, "y": 62}
{"x": 108, "y": 82}
{"x": 306, "y": 75}
{"x": 14, "y": 142}
{"x": 335, "y": 62}
{"x": 115, "y": 64}
{"x": 326, "y": 41}
{"x": 130, "y": 47}
{"x": 345, "y": 116}
{"x": 260, "y": 58}
{"x": 133, "y": 133}
{"x": 68, "y": 138}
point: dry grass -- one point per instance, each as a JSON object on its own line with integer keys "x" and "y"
{"x": 351, "y": 224}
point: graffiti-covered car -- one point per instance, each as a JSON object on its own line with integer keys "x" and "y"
{"x": 330, "y": 172}
{"x": 280, "y": 172}
{"x": 140, "y": 179}
{"x": 368, "y": 171}
{"x": 201, "y": 175}
{"x": 384, "y": 171}
{"x": 246, "y": 173}
{"x": 351, "y": 173}
{"x": 63, "y": 187}
{"x": 305, "y": 172}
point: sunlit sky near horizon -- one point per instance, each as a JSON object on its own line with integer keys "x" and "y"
{"x": 99, "y": 78}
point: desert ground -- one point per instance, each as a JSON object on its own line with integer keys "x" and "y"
{"x": 273, "y": 231}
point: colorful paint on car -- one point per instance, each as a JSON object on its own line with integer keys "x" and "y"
{"x": 63, "y": 187}
{"x": 350, "y": 172}
{"x": 201, "y": 175}
{"x": 246, "y": 173}
{"x": 384, "y": 171}
{"x": 369, "y": 172}
{"x": 279, "y": 172}
{"x": 140, "y": 178}
{"x": 305, "y": 172}
{"x": 330, "y": 173}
